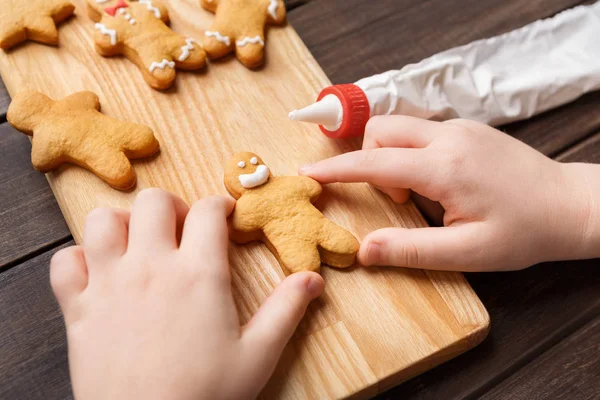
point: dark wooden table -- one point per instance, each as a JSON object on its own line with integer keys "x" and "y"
{"x": 545, "y": 338}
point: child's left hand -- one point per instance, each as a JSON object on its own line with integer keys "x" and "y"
{"x": 149, "y": 309}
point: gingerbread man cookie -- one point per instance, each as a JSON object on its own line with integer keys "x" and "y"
{"x": 31, "y": 19}
{"x": 72, "y": 130}
{"x": 240, "y": 26}
{"x": 138, "y": 30}
{"x": 280, "y": 212}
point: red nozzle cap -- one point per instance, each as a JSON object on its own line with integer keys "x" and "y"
{"x": 356, "y": 111}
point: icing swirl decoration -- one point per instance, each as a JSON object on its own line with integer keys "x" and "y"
{"x": 150, "y": 6}
{"x": 253, "y": 40}
{"x": 185, "y": 50}
{"x": 273, "y": 9}
{"x": 219, "y": 37}
{"x": 109, "y": 32}
{"x": 162, "y": 65}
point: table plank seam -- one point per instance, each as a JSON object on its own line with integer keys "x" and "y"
{"x": 295, "y": 5}
{"x": 38, "y": 252}
{"x": 544, "y": 346}
{"x": 588, "y": 136}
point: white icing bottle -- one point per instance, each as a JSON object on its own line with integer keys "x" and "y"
{"x": 495, "y": 81}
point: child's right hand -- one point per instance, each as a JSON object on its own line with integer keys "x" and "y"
{"x": 506, "y": 205}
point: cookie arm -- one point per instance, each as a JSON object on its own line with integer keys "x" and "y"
{"x": 276, "y": 12}
{"x": 246, "y": 217}
{"x": 42, "y": 30}
{"x": 312, "y": 187}
{"x": 210, "y": 5}
{"x": 82, "y": 99}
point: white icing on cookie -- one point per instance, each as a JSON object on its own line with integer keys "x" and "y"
{"x": 132, "y": 21}
{"x": 162, "y": 65}
{"x": 254, "y": 161}
{"x": 257, "y": 178}
{"x": 105, "y": 31}
{"x": 241, "y": 164}
{"x": 150, "y": 7}
{"x": 253, "y": 40}
{"x": 102, "y": 1}
{"x": 122, "y": 11}
{"x": 273, "y": 9}
{"x": 219, "y": 37}
{"x": 185, "y": 50}
{"x": 127, "y": 17}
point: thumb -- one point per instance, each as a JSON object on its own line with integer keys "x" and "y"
{"x": 447, "y": 248}
{"x": 269, "y": 331}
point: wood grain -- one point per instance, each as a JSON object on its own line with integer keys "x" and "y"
{"x": 397, "y": 322}
{"x": 30, "y": 219}
{"x": 530, "y": 310}
{"x": 587, "y": 151}
{"x": 570, "y": 370}
{"x": 33, "y": 348}
{"x": 352, "y": 39}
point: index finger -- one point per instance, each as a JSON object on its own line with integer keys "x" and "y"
{"x": 400, "y": 131}
{"x": 206, "y": 234}
{"x": 387, "y": 167}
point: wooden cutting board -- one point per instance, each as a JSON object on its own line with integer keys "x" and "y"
{"x": 373, "y": 328}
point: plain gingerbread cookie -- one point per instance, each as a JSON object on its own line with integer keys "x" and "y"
{"x": 138, "y": 30}
{"x": 31, "y": 19}
{"x": 240, "y": 26}
{"x": 279, "y": 211}
{"x": 72, "y": 130}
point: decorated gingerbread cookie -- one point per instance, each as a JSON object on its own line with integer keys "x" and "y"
{"x": 31, "y": 19}
{"x": 72, "y": 130}
{"x": 279, "y": 211}
{"x": 240, "y": 26}
{"x": 138, "y": 30}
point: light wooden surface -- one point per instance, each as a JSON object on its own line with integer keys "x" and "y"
{"x": 373, "y": 328}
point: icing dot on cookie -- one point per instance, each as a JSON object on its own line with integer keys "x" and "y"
{"x": 241, "y": 164}
{"x": 254, "y": 161}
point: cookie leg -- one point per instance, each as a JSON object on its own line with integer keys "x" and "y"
{"x": 42, "y": 30}
{"x": 111, "y": 166}
{"x": 157, "y": 68}
{"x": 11, "y": 36}
{"x": 188, "y": 54}
{"x": 296, "y": 256}
{"x": 337, "y": 246}
{"x": 218, "y": 42}
{"x": 250, "y": 49}
{"x": 106, "y": 41}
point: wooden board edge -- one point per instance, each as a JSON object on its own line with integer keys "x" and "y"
{"x": 476, "y": 336}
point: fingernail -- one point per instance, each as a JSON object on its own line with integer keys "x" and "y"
{"x": 373, "y": 254}
{"x": 304, "y": 169}
{"x": 314, "y": 286}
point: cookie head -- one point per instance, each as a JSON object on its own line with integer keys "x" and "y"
{"x": 245, "y": 171}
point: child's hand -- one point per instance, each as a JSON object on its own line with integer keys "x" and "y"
{"x": 507, "y": 206}
{"x": 149, "y": 309}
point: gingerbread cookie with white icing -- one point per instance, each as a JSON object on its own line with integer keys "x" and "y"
{"x": 279, "y": 211}
{"x": 240, "y": 26}
{"x": 138, "y": 30}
